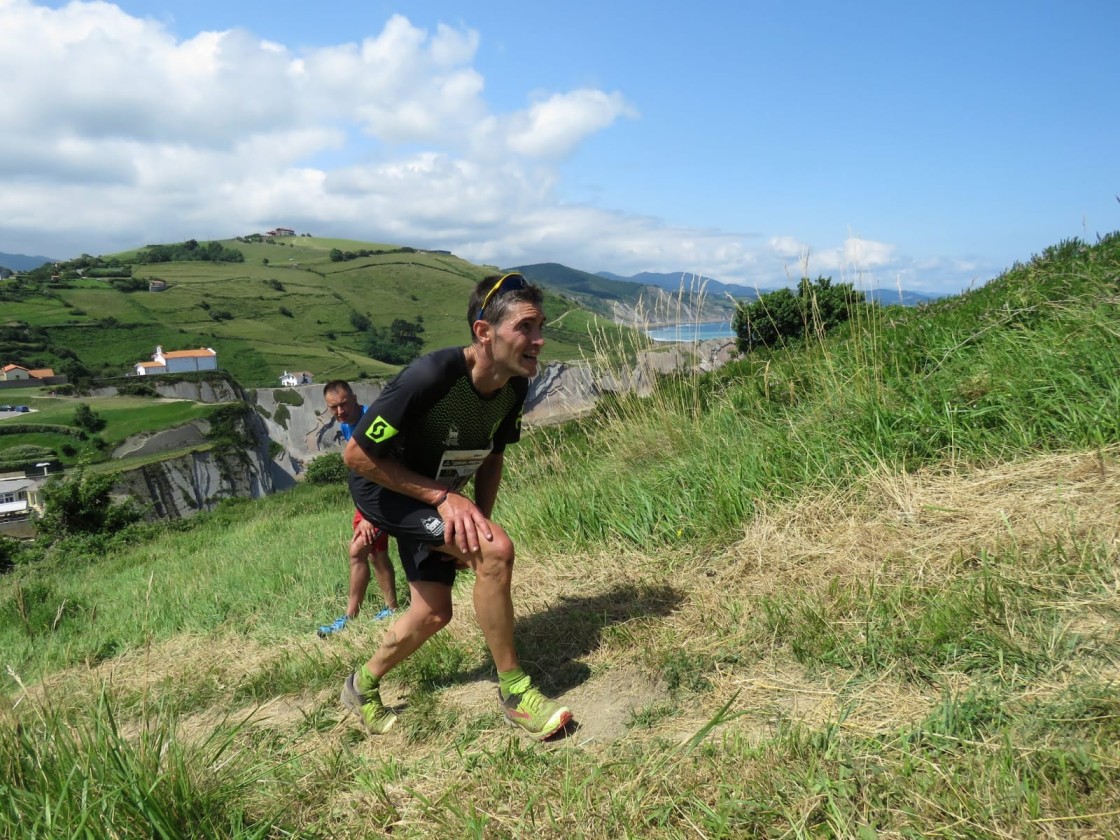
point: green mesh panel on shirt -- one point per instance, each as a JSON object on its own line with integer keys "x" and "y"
{"x": 459, "y": 420}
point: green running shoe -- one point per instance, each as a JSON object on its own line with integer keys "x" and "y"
{"x": 538, "y": 716}
{"x": 377, "y": 719}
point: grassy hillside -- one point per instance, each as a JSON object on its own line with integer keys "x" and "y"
{"x": 862, "y": 587}
{"x": 50, "y": 433}
{"x": 288, "y": 306}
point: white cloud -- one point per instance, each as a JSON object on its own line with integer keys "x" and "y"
{"x": 864, "y": 252}
{"x": 118, "y": 133}
{"x": 553, "y": 128}
{"x": 787, "y": 246}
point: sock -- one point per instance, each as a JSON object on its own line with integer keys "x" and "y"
{"x": 367, "y": 682}
{"x": 514, "y": 681}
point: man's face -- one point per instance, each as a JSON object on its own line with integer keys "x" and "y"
{"x": 518, "y": 339}
{"x": 344, "y": 406}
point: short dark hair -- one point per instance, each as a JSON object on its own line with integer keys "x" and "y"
{"x": 337, "y": 385}
{"x": 498, "y": 305}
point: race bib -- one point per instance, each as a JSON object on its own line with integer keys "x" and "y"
{"x": 458, "y": 465}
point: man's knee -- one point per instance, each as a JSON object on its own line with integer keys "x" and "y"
{"x": 497, "y": 555}
{"x": 433, "y": 619}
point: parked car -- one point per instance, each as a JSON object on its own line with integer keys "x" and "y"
{"x": 6, "y": 408}
{"x": 20, "y": 408}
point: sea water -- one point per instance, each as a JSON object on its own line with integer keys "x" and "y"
{"x": 692, "y": 332}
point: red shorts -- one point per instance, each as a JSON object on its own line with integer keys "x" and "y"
{"x": 380, "y": 542}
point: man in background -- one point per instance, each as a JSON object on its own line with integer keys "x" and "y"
{"x": 369, "y": 544}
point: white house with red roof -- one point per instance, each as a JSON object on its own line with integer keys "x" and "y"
{"x": 179, "y": 361}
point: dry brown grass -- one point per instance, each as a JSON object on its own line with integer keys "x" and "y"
{"x": 620, "y": 614}
{"x": 619, "y": 608}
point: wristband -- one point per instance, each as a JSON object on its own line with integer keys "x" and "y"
{"x": 441, "y": 499}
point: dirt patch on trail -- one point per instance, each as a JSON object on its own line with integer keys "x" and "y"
{"x": 603, "y": 707}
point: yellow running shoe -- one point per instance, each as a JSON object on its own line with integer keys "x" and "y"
{"x": 538, "y": 716}
{"x": 377, "y": 719}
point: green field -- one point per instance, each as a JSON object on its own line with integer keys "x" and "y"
{"x": 289, "y": 308}
{"x": 124, "y": 417}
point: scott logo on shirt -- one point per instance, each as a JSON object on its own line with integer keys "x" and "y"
{"x": 380, "y": 430}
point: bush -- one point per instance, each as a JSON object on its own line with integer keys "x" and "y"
{"x": 32, "y": 428}
{"x": 136, "y": 389}
{"x": 785, "y": 315}
{"x": 10, "y": 551}
{"x": 88, "y": 419}
{"x": 398, "y": 345}
{"x": 287, "y": 395}
{"x": 83, "y": 504}
{"x": 327, "y": 469}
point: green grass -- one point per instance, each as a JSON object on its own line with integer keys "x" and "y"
{"x": 859, "y": 587}
{"x": 124, "y": 417}
{"x": 111, "y": 330}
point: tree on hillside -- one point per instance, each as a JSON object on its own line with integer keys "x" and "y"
{"x": 82, "y": 504}
{"x": 815, "y": 308}
{"x": 398, "y": 345}
{"x": 88, "y": 419}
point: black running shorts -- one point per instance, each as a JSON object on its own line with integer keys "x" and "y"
{"x": 418, "y": 529}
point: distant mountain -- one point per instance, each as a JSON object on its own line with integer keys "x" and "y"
{"x": 675, "y": 281}
{"x": 594, "y": 290}
{"x": 22, "y": 262}
{"x": 631, "y": 300}
{"x": 893, "y": 297}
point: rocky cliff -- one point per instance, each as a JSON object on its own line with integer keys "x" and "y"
{"x": 197, "y": 481}
{"x": 298, "y": 420}
{"x": 230, "y": 462}
{"x": 214, "y": 388}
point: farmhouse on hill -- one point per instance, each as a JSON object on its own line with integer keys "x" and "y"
{"x": 18, "y": 373}
{"x": 179, "y": 361}
{"x": 280, "y": 231}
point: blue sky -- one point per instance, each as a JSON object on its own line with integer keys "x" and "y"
{"x": 927, "y": 146}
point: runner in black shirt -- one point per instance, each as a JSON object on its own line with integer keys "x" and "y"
{"x": 447, "y": 417}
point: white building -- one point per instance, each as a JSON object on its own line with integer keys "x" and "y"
{"x": 18, "y": 497}
{"x": 298, "y": 377}
{"x": 179, "y": 361}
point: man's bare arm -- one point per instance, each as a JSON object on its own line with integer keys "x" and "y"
{"x": 392, "y": 474}
{"x": 486, "y": 481}
{"x": 464, "y": 523}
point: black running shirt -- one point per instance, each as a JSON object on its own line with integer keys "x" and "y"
{"x": 431, "y": 419}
